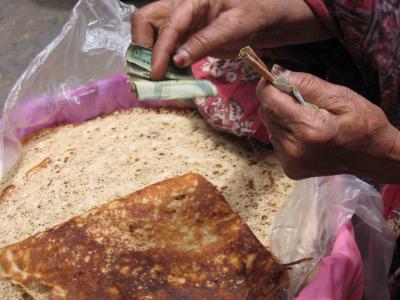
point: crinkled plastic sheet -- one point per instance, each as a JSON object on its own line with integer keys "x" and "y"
{"x": 90, "y": 47}
{"x": 80, "y": 75}
{"x": 308, "y": 224}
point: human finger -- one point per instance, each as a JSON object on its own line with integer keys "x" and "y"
{"x": 224, "y": 30}
{"x": 317, "y": 91}
{"x": 143, "y": 22}
{"x": 170, "y": 34}
{"x": 280, "y": 107}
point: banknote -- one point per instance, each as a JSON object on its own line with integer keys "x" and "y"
{"x": 173, "y": 89}
{"x": 141, "y": 57}
{"x": 176, "y": 84}
{"x": 251, "y": 58}
{"x": 138, "y": 72}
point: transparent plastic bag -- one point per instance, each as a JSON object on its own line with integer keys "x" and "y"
{"x": 80, "y": 75}
{"x": 90, "y": 47}
{"x": 307, "y": 226}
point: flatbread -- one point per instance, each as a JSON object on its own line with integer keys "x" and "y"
{"x": 177, "y": 239}
{"x": 65, "y": 171}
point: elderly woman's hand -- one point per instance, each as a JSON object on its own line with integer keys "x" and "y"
{"x": 347, "y": 134}
{"x": 191, "y": 29}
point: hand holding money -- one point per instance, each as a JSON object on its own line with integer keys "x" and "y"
{"x": 192, "y": 29}
{"x": 347, "y": 134}
{"x": 177, "y": 84}
{"x": 251, "y": 59}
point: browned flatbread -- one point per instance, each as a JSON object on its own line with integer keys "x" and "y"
{"x": 177, "y": 239}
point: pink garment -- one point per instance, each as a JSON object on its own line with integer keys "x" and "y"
{"x": 340, "y": 273}
{"x": 391, "y": 198}
{"x": 369, "y": 30}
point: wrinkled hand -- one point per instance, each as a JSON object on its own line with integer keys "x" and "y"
{"x": 347, "y": 134}
{"x": 192, "y": 29}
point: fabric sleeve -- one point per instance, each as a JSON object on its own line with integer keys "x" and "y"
{"x": 321, "y": 10}
{"x": 370, "y": 32}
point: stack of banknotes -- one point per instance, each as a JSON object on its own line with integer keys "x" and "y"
{"x": 177, "y": 83}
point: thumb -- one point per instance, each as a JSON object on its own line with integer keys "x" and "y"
{"x": 312, "y": 88}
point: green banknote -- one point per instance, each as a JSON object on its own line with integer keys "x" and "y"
{"x": 173, "y": 89}
{"x": 141, "y": 57}
{"x": 177, "y": 83}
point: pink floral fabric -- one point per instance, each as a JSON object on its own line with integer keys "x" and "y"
{"x": 234, "y": 109}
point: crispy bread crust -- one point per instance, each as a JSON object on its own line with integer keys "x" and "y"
{"x": 177, "y": 239}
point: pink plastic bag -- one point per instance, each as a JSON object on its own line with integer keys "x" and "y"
{"x": 80, "y": 104}
{"x": 80, "y": 76}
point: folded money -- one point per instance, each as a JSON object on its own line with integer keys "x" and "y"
{"x": 252, "y": 60}
{"x": 177, "y": 83}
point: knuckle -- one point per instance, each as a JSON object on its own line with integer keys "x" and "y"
{"x": 137, "y": 16}
{"x": 169, "y": 33}
{"x": 312, "y": 135}
{"x": 295, "y": 153}
{"x": 308, "y": 82}
{"x": 150, "y": 11}
{"x": 314, "y": 138}
{"x": 171, "y": 24}
{"x": 317, "y": 132}
{"x": 235, "y": 19}
{"x": 345, "y": 93}
{"x": 268, "y": 95}
{"x": 200, "y": 41}
{"x": 267, "y": 110}
{"x": 273, "y": 93}
{"x": 312, "y": 85}
{"x": 343, "y": 99}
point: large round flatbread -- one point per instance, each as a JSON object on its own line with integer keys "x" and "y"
{"x": 67, "y": 170}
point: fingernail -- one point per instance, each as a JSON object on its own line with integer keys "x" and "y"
{"x": 182, "y": 58}
{"x": 278, "y": 70}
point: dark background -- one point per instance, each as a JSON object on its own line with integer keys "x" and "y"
{"x": 26, "y": 27}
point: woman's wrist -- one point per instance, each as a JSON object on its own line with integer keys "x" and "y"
{"x": 394, "y": 149}
{"x": 392, "y": 165}
{"x": 347, "y": 134}
{"x": 382, "y": 162}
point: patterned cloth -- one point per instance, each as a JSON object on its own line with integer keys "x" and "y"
{"x": 370, "y": 31}
{"x": 234, "y": 110}
{"x": 365, "y": 56}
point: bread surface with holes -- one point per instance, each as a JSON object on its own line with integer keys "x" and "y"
{"x": 66, "y": 171}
